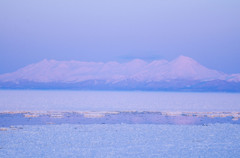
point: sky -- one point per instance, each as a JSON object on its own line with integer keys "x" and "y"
{"x": 120, "y": 30}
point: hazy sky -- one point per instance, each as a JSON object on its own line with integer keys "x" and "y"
{"x": 120, "y": 30}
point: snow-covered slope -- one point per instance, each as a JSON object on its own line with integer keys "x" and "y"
{"x": 182, "y": 68}
{"x": 234, "y": 78}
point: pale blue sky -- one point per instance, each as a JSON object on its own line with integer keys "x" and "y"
{"x": 120, "y": 30}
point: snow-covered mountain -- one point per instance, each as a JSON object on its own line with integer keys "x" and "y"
{"x": 136, "y": 71}
{"x": 180, "y": 68}
{"x": 75, "y": 71}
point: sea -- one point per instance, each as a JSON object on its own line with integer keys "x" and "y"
{"x": 34, "y": 138}
{"x": 64, "y": 100}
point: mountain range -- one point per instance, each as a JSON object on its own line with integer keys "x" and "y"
{"x": 181, "y": 74}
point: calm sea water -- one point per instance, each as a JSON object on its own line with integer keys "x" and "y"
{"x": 35, "y": 100}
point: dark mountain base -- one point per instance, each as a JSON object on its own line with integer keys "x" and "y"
{"x": 173, "y": 85}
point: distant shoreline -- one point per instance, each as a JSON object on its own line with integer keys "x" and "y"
{"x": 8, "y": 119}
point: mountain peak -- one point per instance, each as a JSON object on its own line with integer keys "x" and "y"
{"x": 47, "y": 61}
{"x": 184, "y": 59}
{"x": 138, "y": 61}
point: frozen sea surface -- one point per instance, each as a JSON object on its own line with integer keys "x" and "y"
{"x": 34, "y": 100}
{"x": 121, "y": 140}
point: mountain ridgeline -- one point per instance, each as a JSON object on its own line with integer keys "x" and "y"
{"x": 181, "y": 74}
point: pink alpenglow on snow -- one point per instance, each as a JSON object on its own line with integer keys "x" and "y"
{"x": 139, "y": 70}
